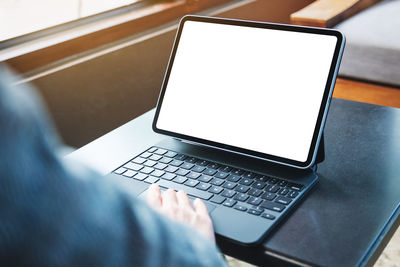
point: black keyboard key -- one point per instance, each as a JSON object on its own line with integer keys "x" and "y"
{"x": 160, "y": 151}
{"x": 263, "y": 179}
{"x": 259, "y": 185}
{"x": 255, "y": 201}
{"x": 296, "y": 187}
{"x": 138, "y": 160}
{"x": 273, "y": 181}
{"x": 193, "y": 175}
{"x": 255, "y": 192}
{"x": 293, "y": 194}
{"x": 282, "y": 183}
{"x": 240, "y": 207}
{"x": 191, "y": 183}
{"x": 147, "y": 170}
{"x": 233, "y": 178}
{"x": 150, "y": 163}
{"x": 228, "y": 193}
{"x": 241, "y": 197}
{"x": 189, "y": 190}
{"x": 180, "y": 179}
{"x": 198, "y": 168}
{"x": 129, "y": 173}
{"x": 216, "y": 181}
{"x": 180, "y": 157}
{"x": 213, "y": 165}
{"x": 242, "y": 188}
{"x": 215, "y": 190}
{"x": 191, "y": 160}
{"x": 283, "y": 200}
{"x": 246, "y": 181}
{"x": 168, "y": 176}
{"x": 268, "y": 216}
{"x": 160, "y": 166}
{"x": 152, "y": 149}
{"x": 205, "y": 178}
{"x": 272, "y": 206}
{"x": 229, "y": 203}
{"x": 283, "y": 191}
{"x": 273, "y": 188}
{"x": 166, "y": 160}
{"x": 187, "y": 165}
{"x": 170, "y": 154}
{"x": 120, "y": 171}
{"x": 151, "y": 179}
{"x": 155, "y": 157}
{"x": 221, "y": 175}
{"x": 249, "y": 175}
{"x": 229, "y": 185}
{"x": 140, "y": 176}
{"x": 176, "y": 163}
{"x": 182, "y": 172}
{"x": 217, "y": 199}
{"x": 237, "y": 172}
{"x": 209, "y": 171}
{"x": 225, "y": 168}
{"x": 254, "y": 212}
{"x": 202, "y": 163}
{"x": 203, "y": 186}
{"x": 157, "y": 173}
{"x": 146, "y": 155}
{"x": 133, "y": 166}
{"x": 268, "y": 196}
{"x": 171, "y": 169}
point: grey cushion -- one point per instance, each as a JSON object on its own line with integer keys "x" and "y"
{"x": 372, "y": 50}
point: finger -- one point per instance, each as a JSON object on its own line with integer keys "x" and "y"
{"x": 200, "y": 207}
{"x": 183, "y": 199}
{"x": 169, "y": 198}
{"x": 153, "y": 196}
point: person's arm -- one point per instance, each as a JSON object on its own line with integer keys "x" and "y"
{"x": 55, "y": 213}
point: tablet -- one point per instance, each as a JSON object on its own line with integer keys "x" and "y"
{"x": 253, "y": 88}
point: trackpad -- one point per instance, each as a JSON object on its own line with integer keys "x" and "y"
{"x": 210, "y": 207}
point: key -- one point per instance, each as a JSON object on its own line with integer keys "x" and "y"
{"x": 229, "y": 203}
{"x": 133, "y": 166}
{"x": 228, "y": 193}
{"x": 129, "y": 173}
{"x": 217, "y": 199}
{"x": 283, "y": 200}
{"x": 139, "y": 160}
{"x": 241, "y": 197}
{"x": 120, "y": 171}
{"x": 180, "y": 179}
{"x": 272, "y": 206}
{"x": 240, "y": 207}
{"x": 203, "y": 186}
{"x": 215, "y": 190}
{"x": 191, "y": 183}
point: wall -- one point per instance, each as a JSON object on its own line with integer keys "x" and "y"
{"x": 89, "y": 99}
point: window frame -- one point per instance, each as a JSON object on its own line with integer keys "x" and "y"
{"x": 29, "y": 52}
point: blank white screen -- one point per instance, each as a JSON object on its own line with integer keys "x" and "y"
{"x": 252, "y": 88}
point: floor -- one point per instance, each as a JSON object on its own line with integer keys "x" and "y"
{"x": 373, "y": 94}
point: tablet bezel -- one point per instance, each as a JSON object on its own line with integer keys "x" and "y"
{"x": 324, "y": 103}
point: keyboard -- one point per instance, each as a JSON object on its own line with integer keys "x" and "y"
{"x": 219, "y": 184}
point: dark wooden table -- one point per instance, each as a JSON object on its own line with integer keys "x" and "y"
{"x": 350, "y": 215}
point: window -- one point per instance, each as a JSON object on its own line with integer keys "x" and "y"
{"x": 79, "y": 27}
{"x": 26, "y": 16}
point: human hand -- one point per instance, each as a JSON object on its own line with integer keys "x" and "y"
{"x": 177, "y": 206}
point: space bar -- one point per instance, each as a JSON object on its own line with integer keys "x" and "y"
{"x": 190, "y": 191}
